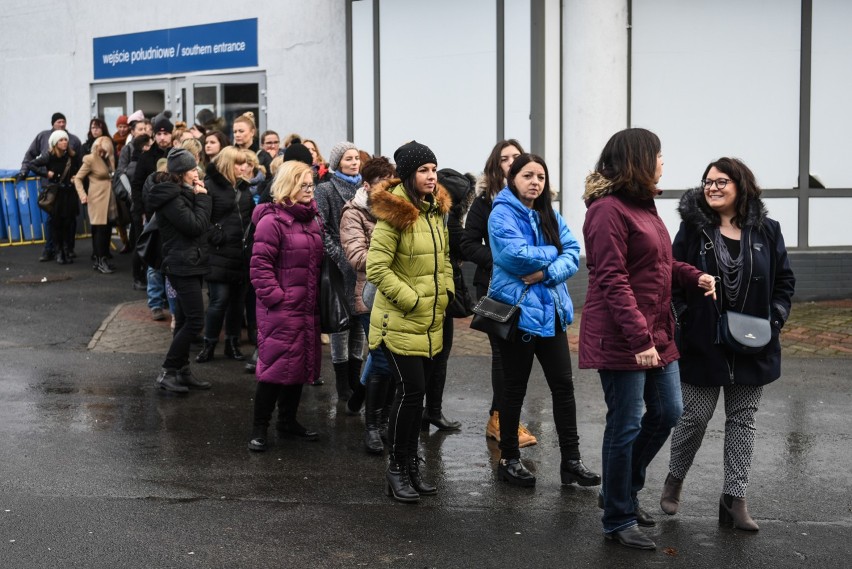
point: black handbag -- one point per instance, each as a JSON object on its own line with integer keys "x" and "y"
{"x": 462, "y": 304}
{"x": 335, "y": 314}
{"x": 47, "y": 198}
{"x": 743, "y": 333}
{"x": 149, "y": 246}
{"x": 497, "y": 318}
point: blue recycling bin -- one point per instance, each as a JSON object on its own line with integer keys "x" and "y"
{"x": 11, "y": 225}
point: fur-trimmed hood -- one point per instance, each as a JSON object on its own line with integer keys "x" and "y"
{"x": 693, "y": 210}
{"x": 597, "y": 186}
{"x": 389, "y": 202}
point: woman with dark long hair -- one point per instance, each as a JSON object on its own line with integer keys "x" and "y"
{"x": 409, "y": 263}
{"x": 627, "y": 328}
{"x": 476, "y": 248}
{"x": 534, "y": 255}
{"x": 726, "y": 228}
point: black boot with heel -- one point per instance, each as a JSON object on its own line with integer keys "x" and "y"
{"x": 206, "y": 353}
{"x": 397, "y": 481}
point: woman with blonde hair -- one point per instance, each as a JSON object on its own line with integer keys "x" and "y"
{"x": 97, "y": 168}
{"x": 286, "y": 256}
{"x": 229, "y": 220}
{"x": 245, "y": 132}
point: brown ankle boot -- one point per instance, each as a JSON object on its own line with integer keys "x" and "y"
{"x": 734, "y": 511}
{"x": 670, "y": 500}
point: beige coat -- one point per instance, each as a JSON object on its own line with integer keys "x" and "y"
{"x": 101, "y": 199}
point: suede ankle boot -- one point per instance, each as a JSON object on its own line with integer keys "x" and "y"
{"x": 670, "y": 500}
{"x": 733, "y": 511}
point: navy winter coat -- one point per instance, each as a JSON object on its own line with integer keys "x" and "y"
{"x": 768, "y": 285}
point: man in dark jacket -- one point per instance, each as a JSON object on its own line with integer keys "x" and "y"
{"x": 148, "y": 165}
{"x": 40, "y": 146}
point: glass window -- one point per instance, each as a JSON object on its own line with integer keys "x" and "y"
{"x": 831, "y": 83}
{"x": 150, "y": 102}
{"x": 719, "y": 79}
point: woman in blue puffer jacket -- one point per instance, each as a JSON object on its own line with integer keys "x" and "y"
{"x": 534, "y": 254}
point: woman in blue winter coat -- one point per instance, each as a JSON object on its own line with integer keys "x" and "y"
{"x": 534, "y": 254}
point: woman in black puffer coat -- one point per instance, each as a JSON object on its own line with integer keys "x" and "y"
{"x": 230, "y": 223}
{"x": 182, "y": 208}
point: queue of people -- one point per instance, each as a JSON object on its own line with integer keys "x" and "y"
{"x": 255, "y": 226}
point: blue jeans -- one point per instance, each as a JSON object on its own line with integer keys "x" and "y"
{"x": 156, "y": 289}
{"x": 377, "y": 363}
{"x": 642, "y": 408}
{"x": 227, "y": 301}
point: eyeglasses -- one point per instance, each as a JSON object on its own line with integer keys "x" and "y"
{"x": 720, "y": 183}
{"x": 306, "y": 187}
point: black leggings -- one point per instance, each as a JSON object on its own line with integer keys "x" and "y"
{"x": 189, "y": 319}
{"x": 63, "y": 229}
{"x": 555, "y": 359}
{"x": 409, "y": 373}
{"x": 100, "y": 240}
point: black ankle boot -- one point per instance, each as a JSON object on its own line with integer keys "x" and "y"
{"x": 232, "y": 349}
{"x": 397, "y": 482}
{"x": 251, "y": 364}
{"x": 373, "y": 403}
{"x": 258, "y": 439}
{"x": 575, "y": 471}
{"x": 437, "y": 418}
{"x": 206, "y": 353}
{"x": 353, "y": 406}
{"x": 356, "y": 399}
{"x": 512, "y": 471}
{"x": 168, "y": 380}
{"x": 341, "y": 381}
{"x": 421, "y": 486}
{"x": 186, "y": 377}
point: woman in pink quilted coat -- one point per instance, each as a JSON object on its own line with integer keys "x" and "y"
{"x": 285, "y": 271}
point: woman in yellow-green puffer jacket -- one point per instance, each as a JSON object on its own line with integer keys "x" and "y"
{"x": 409, "y": 262}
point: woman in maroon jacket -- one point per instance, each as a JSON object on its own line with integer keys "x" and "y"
{"x": 627, "y": 327}
{"x": 285, "y": 271}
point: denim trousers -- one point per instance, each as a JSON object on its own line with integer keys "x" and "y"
{"x": 156, "y": 289}
{"x": 642, "y": 408}
{"x": 377, "y": 363}
{"x": 189, "y": 319}
{"x": 226, "y": 306}
{"x": 555, "y": 359}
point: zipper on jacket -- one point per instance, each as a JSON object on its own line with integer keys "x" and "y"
{"x": 435, "y": 277}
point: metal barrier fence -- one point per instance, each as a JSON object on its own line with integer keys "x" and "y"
{"x": 21, "y": 220}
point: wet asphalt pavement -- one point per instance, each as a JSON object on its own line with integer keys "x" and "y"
{"x": 98, "y": 468}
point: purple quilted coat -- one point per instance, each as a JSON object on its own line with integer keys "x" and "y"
{"x": 285, "y": 271}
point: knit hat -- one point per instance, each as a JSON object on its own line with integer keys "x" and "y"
{"x": 180, "y": 161}
{"x": 56, "y": 117}
{"x": 409, "y": 157}
{"x": 55, "y": 137}
{"x": 136, "y": 116}
{"x": 300, "y": 152}
{"x": 121, "y": 120}
{"x": 163, "y": 124}
{"x": 337, "y": 152}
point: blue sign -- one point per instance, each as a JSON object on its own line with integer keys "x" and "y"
{"x": 178, "y": 50}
